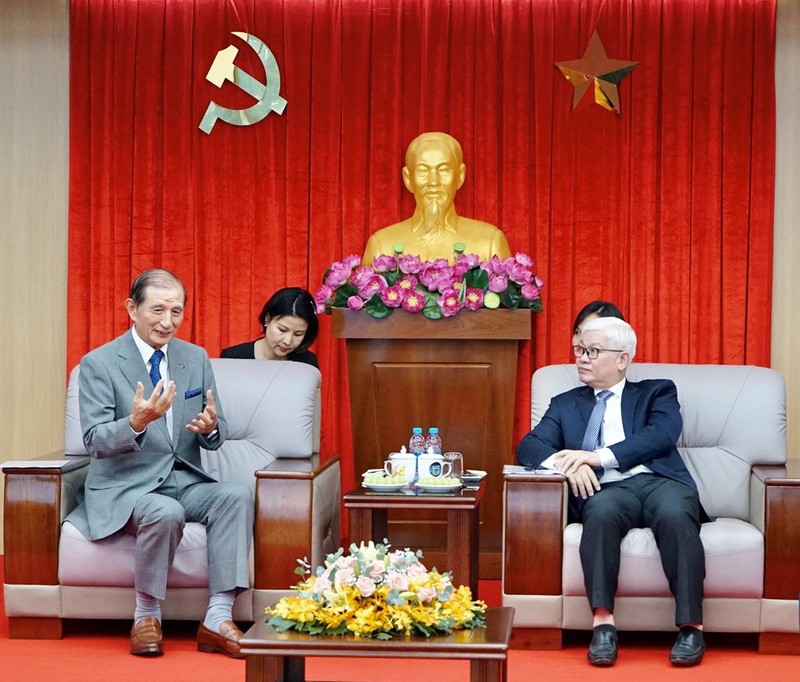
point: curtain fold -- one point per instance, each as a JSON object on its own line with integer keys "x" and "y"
{"x": 666, "y": 209}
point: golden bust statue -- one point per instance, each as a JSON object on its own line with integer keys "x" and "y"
{"x": 434, "y": 172}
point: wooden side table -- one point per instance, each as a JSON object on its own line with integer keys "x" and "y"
{"x": 281, "y": 657}
{"x": 368, "y": 512}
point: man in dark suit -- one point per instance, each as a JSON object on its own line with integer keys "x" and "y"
{"x": 615, "y": 441}
{"x": 146, "y": 477}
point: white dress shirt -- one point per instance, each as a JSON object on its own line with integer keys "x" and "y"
{"x": 614, "y": 432}
{"x": 147, "y": 352}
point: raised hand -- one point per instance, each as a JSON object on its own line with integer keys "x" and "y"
{"x": 206, "y": 421}
{"x": 149, "y": 410}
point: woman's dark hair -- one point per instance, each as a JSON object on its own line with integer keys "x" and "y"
{"x": 296, "y": 302}
{"x": 599, "y": 308}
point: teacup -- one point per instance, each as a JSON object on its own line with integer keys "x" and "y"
{"x": 430, "y": 466}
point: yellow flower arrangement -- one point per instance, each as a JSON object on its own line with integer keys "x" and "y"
{"x": 375, "y": 592}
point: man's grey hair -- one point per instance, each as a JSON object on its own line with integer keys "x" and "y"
{"x": 619, "y": 334}
{"x": 157, "y": 278}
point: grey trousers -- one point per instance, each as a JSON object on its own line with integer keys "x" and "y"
{"x": 158, "y": 519}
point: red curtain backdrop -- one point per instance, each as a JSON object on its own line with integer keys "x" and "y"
{"x": 666, "y": 210}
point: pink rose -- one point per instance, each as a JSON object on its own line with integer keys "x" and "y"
{"x": 345, "y": 576}
{"x": 377, "y": 570}
{"x": 417, "y": 572}
{"x": 397, "y": 581}
{"x": 344, "y": 562}
{"x": 366, "y": 586}
{"x": 426, "y": 594}
{"x": 321, "y": 585}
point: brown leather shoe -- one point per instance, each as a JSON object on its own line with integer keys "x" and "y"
{"x": 146, "y": 639}
{"x": 226, "y": 642}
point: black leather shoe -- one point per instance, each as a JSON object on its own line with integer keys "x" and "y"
{"x": 603, "y": 649}
{"x": 689, "y": 647}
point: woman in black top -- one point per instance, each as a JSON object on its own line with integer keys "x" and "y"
{"x": 289, "y": 320}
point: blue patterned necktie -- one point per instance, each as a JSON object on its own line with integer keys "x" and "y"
{"x": 593, "y": 437}
{"x": 155, "y": 366}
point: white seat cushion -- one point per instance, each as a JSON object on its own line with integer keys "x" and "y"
{"x": 109, "y": 562}
{"x": 734, "y": 561}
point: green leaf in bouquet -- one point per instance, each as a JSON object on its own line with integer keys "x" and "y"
{"x": 343, "y": 293}
{"x": 377, "y": 308}
{"x": 476, "y": 278}
{"x": 508, "y": 299}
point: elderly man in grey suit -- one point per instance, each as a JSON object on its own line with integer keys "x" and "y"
{"x": 145, "y": 477}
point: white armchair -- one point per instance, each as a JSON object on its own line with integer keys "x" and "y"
{"x": 734, "y": 443}
{"x": 53, "y": 572}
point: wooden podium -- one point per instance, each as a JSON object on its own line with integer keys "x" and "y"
{"x": 457, "y": 373}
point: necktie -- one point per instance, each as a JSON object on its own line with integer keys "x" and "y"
{"x": 593, "y": 437}
{"x": 155, "y": 368}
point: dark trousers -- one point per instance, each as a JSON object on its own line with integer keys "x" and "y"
{"x": 672, "y": 510}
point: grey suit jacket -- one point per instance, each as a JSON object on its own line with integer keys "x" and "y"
{"x": 125, "y": 466}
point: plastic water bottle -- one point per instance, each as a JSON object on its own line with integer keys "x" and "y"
{"x": 416, "y": 444}
{"x": 433, "y": 442}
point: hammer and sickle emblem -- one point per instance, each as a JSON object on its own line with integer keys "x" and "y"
{"x": 267, "y": 95}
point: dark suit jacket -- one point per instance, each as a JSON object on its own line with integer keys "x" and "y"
{"x": 125, "y": 466}
{"x": 246, "y": 351}
{"x": 650, "y": 416}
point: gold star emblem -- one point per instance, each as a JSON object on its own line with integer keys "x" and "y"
{"x": 595, "y": 66}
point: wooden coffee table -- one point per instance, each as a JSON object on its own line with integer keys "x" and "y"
{"x": 368, "y": 512}
{"x": 281, "y": 656}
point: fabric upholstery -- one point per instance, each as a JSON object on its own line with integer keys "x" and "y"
{"x": 273, "y": 412}
{"x": 734, "y": 417}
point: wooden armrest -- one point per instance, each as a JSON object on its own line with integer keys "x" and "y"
{"x": 534, "y": 515}
{"x": 32, "y": 517}
{"x": 284, "y": 523}
{"x": 781, "y": 530}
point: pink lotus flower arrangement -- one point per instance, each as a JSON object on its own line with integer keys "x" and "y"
{"x": 435, "y": 288}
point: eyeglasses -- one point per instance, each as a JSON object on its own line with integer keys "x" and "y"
{"x": 592, "y": 353}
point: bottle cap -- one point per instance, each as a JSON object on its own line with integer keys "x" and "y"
{"x": 416, "y": 429}
{"x": 433, "y": 429}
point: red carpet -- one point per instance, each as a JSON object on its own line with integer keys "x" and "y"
{"x": 98, "y": 651}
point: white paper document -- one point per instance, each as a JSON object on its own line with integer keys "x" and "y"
{"x": 517, "y": 470}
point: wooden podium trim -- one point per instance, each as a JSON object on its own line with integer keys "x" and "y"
{"x": 467, "y": 324}
{"x": 472, "y": 358}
